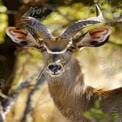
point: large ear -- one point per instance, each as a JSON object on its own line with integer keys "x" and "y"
{"x": 21, "y": 37}
{"x": 93, "y": 38}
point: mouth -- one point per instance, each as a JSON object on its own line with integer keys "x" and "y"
{"x": 55, "y": 74}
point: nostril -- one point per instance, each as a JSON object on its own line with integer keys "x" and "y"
{"x": 59, "y": 67}
{"x": 54, "y": 67}
{"x": 51, "y": 67}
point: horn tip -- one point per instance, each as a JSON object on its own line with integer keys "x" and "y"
{"x": 98, "y": 12}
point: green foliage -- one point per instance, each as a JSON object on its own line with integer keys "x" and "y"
{"x": 97, "y": 115}
{"x": 3, "y": 21}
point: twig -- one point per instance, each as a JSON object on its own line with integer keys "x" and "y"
{"x": 2, "y": 115}
{"x": 3, "y": 95}
{"x": 28, "y": 107}
{"x": 40, "y": 74}
{"x": 41, "y": 103}
{"x": 10, "y": 101}
{"x": 8, "y": 12}
{"x": 120, "y": 45}
{"x": 114, "y": 21}
{"x": 56, "y": 10}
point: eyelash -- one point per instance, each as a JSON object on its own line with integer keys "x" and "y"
{"x": 42, "y": 49}
{"x": 71, "y": 48}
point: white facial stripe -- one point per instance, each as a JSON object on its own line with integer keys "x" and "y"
{"x": 61, "y": 52}
{"x": 51, "y": 52}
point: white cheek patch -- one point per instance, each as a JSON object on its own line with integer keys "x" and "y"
{"x": 58, "y": 52}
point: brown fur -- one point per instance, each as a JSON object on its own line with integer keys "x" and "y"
{"x": 73, "y": 98}
{"x": 69, "y": 92}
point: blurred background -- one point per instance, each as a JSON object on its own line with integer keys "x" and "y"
{"x": 102, "y": 66}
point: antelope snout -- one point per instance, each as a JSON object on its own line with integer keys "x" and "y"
{"x": 55, "y": 69}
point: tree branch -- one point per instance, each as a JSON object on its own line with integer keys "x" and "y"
{"x": 50, "y": 7}
{"x": 8, "y": 103}
{"x": 29, "y": 107}
{"x": 114, "y": 21}
{"x": 119, "y": 45}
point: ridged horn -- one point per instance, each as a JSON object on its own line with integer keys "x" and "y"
{"x": 35, "y": 27}
{"x": 74, "y": 28}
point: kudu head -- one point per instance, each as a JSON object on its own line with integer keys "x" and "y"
{"x": 57, "y": 51}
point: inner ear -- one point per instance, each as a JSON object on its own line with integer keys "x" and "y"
{"x": 22, "y": 37}
{"x": 97, "y": 33}
{"x": 93, "y": 38}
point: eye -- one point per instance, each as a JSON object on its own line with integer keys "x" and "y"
{"x": 42, "y": 49}
{"x": 71, "y": 48}
{"x": 23, "y": 43}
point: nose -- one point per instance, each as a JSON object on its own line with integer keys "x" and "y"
{"x": 55, "y": 67}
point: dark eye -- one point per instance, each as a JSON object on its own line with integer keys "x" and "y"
{"x": 42, "y": 49}
{"x": 71, "y": 48}
{"x": 23, "y": 43}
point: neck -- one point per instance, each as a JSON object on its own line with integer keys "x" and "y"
{"x": 68, "y": 93}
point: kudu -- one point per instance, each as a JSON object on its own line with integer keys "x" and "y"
{"x": 63, "y": 72}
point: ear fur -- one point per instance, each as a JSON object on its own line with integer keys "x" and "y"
{"x": 93, "y": 38}
{"x": 21, "y": 37}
